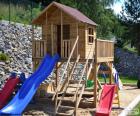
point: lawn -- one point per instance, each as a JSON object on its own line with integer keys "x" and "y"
{"x": 124, "y": 79}
{"x": 136, "y": 111}
{"x": 133, "y": 50}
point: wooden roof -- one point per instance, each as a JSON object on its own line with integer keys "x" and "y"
{"x": 69, "y": 10}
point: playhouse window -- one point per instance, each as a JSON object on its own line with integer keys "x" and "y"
{"x": 90, "y": 35}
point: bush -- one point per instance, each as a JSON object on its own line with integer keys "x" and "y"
{"x": 119, "y": 44}
{"x": 3, "y": 57}
{"x": 138, "y": 83}
{"x": 116, "y": 60}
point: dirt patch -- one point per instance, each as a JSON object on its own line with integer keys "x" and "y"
{"x": 45, "y": 107}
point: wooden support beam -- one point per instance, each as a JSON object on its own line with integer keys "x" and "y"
{"x": 77, "y": 36}
{"x": 52, "y": 38}
{"x": 95, "y": 75}
{"x": 95, "y": 84}
{"x": 111, "y": 75}
{"x": 62, "y": 34}
{"x": 110, "y": 65}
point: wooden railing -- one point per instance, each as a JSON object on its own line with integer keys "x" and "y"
{"x": 104, "y": 49}
{"x": 66, "y": 48}
{"x": 39, "y": 48}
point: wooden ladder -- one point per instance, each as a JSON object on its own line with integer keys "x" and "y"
{"x": 76, "y": 94}
{"x": 65, "y": 88}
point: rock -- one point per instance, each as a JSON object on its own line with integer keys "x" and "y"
{"x": 128, "y": 63}
{"x": 15, "y": 40}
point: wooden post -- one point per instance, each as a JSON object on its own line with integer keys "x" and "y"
{"x": 33, "y": 48}
{"x": 52, "y": 38}
{"x": 61, "y": 33}
{"x": 95, "y": 75}
{"x": 111, "y": 75}
{"x": 77, "y": 36}
{"x": 56, "y": 81}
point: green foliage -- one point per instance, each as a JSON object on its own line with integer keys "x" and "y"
{"x": 19, "y": 12}
{"x": 138, "y": 83}
{"x": 130, "y": 18}
{"x": 98, "y": 10}
{"x": 116, "y": 60}
{"x": 124, "y": 79}
{"x": 132, "y": 50}
{"x": 3, "y": 57}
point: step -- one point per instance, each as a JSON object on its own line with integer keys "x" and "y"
{"x": 74, "y": 85}
{"x": 65, "y": 99}
{"x": 66, "y": 107}
{"x": 76, "y": 81}
{"x": 64, "y": 114}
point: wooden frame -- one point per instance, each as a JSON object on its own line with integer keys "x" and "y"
{"x": 61, "y": 32}
{"x": 100, "y": 51}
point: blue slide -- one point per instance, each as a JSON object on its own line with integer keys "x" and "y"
{"x": 29, "y": 87}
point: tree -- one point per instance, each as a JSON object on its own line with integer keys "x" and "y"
{"x": 100, "y": 12}
{"x": 131, "y": 19}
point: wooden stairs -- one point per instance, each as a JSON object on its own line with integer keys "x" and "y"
{"x": 75, "y": 93}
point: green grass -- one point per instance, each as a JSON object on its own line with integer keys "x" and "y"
{"x": 135, "y": 111}
{"x": 128, "y": 79}
{"x": 124, "y": 79}
{"x": 133, "y": 50}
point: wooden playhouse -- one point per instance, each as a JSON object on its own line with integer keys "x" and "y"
{"x": 72, "y": 35}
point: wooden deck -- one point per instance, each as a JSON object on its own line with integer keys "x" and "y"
{"x": 104, "y": 51}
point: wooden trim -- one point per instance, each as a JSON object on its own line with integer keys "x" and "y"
{"x": 62, "y": 54}
{"x": 105, "y": 59}
{"x": 105, "y": 40}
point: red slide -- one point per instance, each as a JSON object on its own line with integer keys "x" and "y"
{"x": 105, "y": 104}
{"x": 7, "y": 90}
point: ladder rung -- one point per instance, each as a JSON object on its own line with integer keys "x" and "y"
{"x": 65, "y": 98}
{"x": 66, "y": 107}
{"x": 64, "y": 114}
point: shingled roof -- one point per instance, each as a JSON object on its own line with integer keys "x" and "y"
{"x": 76, "y": 14}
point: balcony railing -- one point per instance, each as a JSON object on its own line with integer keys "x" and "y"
{"x": 104, "y": 49}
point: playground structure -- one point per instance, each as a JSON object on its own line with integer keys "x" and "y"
{"x": 72, "y": 35}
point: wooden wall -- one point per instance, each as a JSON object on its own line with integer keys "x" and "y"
{"x": 90, "y": 48}
{"x": 54, "y": 19}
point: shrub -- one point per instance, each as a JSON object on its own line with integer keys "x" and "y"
{"x": 3, "y": 57}
{"x": 116, "y": 60}
{"x": 138, "y": 83}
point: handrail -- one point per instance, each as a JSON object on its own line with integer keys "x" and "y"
{"x": 76, "y": 98}
{"x": 84, "y": 71}
{"x": 68, "y": 79}
{"x": 105, "y": 40}
{"x": 63, "y": 74}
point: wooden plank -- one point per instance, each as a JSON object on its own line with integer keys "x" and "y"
{"x": 95, "y": 75}
{"x": 77, "y": 30}
{"x": 61, "y": 31}
{"x": 52, "y": 38}
{"x": 105, "y": 59}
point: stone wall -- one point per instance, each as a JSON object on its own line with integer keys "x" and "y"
{"x": 15, "y": 40}
{"x": 128, "y": 62}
